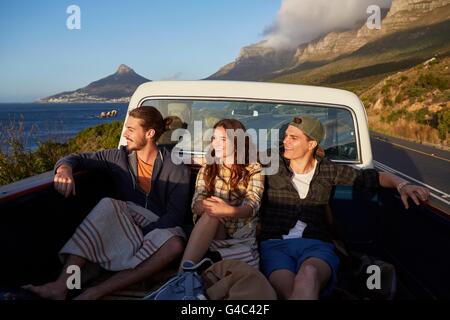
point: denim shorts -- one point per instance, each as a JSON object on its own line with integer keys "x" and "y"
{"x": 289, "y": 254}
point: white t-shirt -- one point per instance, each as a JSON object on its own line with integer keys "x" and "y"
{"x": 301, "y": 183}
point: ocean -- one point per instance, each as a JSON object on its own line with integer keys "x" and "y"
{"x": 56, "y": 122}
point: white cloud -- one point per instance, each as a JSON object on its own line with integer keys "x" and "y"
{"x": 300, "y": 21}
{"x": 175, "y": 76}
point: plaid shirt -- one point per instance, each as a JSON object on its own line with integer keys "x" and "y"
{"x": 250, "y": 195}
{"x": 282, "y": 206}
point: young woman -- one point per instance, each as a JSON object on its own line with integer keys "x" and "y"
{"x": 227, "y": 197}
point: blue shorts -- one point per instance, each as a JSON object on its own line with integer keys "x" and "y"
{"x": 289, "y": 254}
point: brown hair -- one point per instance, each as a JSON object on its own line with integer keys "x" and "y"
{"x": 318, "y": 151}
{"x": 238, "y": 171}
{"x": 152, "y": 119}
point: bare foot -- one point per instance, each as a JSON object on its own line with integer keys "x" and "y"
{"x": 88, "y": 294}
{"x": 52, "y": 290}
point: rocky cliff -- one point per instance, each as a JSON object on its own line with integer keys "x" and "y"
{"x": 402, "y": 15}
{"x": 256, "y": 61}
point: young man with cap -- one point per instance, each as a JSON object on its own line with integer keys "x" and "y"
{"x": 297, "y": 253}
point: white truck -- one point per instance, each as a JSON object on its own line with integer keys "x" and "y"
{"x": 36, "y": 221}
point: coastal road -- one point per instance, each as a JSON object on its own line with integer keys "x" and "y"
{"x": 428, "y": 165}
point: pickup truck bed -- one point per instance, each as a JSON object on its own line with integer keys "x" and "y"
{"x": 36, "y": 222}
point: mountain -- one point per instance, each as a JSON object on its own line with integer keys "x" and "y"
{"x": 255, "y": 62}
{"x": 375, "y": 60}
{"x": 403, "y": 15}
{"x": 258, "y": 62}
{"x": 117, "y": 87}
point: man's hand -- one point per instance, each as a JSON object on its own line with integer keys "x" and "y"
{"x": 63, "y": 181}
{"x": 416, "y": 193}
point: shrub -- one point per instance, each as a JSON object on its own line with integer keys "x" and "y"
{"x": 101, "y": 137}
{"x": 430, "y": 81}
{"x": 385, "y": 89}
{"x": 388, "y": 102}
{"x": 395, "y": 115}
{"x": 398, "y": 98}
{"x": 443, "y": 123}
{"x": 16, "y": 162}
{"x": 414, "y": 92}
{"x": 422, "y": 116}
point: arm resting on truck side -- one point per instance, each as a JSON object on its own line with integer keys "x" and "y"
{"x": 405, "y": 189}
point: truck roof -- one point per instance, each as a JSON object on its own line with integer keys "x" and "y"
{"x": 246, "y": 90}
{"x": 262, "y": 91}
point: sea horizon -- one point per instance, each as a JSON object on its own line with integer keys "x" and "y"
{"x": 41, "y": 122}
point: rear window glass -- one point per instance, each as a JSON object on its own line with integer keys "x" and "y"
{"x": 340, "y": 134}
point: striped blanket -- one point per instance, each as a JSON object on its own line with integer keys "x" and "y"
{"x": 111, "y": 235}
{"x": 245, "y": 250}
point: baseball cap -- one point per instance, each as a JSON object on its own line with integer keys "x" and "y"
{"x": 312, "y": 127}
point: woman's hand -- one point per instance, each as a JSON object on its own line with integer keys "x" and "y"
{"x": 217, "y": 207}
{"x": 198, "y": 207}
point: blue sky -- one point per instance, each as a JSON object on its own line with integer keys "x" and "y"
{"x": 159, "y": 39}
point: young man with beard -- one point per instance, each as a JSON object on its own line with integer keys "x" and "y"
{"x": 137, "y": 234}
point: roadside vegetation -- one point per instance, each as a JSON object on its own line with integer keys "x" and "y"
{"x": 17, "y": 162}
{"x": 413, "y": 104}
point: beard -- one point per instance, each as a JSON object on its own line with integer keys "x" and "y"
{"x": 135, "y": 145}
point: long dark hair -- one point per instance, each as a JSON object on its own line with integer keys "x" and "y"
{"x": 238, "y": 169}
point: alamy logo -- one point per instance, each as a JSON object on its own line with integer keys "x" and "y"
{"x": 374, "y": 20}
{"x": 74, "y": 280}
{"x": 374, "y": 280}
{"x": 243, "y": 142}
{"x": 73, "y": 22}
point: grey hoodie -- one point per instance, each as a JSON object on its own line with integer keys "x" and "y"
{"x": 169, "y": 195}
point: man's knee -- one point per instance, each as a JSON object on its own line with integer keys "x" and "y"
{"x": 308, "y": 273}
{"x": 174, "y": 246}
{"x": 105, "y": 201}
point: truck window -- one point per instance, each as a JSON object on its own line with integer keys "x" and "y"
{"x": 340, "y": 143}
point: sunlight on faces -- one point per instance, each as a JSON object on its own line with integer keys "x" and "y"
{"x": 137, "y": 138}
{"x": 297, "y": 144}
{"x": 223, "y": 145}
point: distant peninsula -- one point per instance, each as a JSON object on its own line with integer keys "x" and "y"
{"x": 115, "y": 88}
